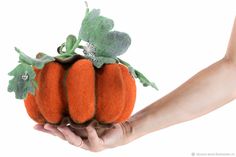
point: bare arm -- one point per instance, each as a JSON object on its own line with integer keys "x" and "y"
{"x": 206, "y": 91}
{"x": 231, "y": 51}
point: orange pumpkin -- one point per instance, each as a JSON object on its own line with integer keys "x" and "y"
{"x": 72, "y": 88}
{"x": 82, "y": 92}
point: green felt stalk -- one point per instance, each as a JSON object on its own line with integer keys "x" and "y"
{"x": 70, "y": 43}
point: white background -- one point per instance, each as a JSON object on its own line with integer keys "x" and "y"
{"x": 171, "y": 41}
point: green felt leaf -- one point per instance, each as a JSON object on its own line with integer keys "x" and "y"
{"x": 39, "y": 63}
{"x": 23, "y": 75}
{"x": 113, "y": 44}
{"x": 103, "y": 60}
{"x": 96, "y": 30}
{"x": 23, "y": 81}
{"x": 132, "y": 71}
{"x": 94, "y": 25}
{"x": 138, "y": 75}
{"x": 144, "y": 80}
{"x": 70, "y": 42}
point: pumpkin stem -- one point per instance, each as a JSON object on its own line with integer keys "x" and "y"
{"x": 75, "y": 46}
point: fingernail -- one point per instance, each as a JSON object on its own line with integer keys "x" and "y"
{"x": 89, "y": 128}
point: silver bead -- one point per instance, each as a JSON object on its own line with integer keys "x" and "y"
{"x": 25, "y": 76}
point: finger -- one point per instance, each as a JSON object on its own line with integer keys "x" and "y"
{"x": 54, "y": 131}
{"x": 72, "y": 138}
{"x": 40, "y": 127}
{"x": 93, "y": 138}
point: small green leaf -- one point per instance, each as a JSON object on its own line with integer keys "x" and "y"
{"x": 23, "y": 81}
{"x": 132, "y": 71}
{"x": 96, "y": 30}
{"x": 138, "y": 75}
{"x": 23, "y": 75}
{"x": 98, "y": 63}
{"x": 70, "y": 42}
{"x": 39, "y": 63}
{"x": 144, "y": 80}
{"x": 113, "y": 44}
{"x": 93, "y": 26}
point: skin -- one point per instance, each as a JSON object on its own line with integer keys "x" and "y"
{"x": 206, "y": 91}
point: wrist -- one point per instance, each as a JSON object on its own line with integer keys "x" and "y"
{"x": 128, "y": 131}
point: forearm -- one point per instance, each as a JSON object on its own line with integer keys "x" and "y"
{"x": 231, "y": 50}
{"x": 206, "y": 91}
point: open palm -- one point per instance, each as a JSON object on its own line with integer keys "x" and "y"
{"x": 89, "y": 138}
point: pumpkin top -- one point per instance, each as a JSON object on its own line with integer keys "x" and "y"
{"x": 102, "y": 47}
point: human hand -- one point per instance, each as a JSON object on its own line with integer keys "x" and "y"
{"x": 90, "y": 138}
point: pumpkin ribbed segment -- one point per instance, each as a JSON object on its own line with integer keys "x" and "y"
{"x": 130, "y": 96}
{"x": 110, "y": 93}
{"x": 50, "y": 96}
{"x": 80, "y": 86}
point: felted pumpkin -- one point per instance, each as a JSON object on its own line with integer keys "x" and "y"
{"x": 82, "y": 93}
{"x": 97, "y": 85}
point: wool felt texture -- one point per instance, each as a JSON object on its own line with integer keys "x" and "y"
{"x": 50, "y": 95}
{"x": 32, "y": 109}
{"x": 83, "y": 93}
{"x": 73, "y": 88}
{"x": 130, "y": 94}
{"x": 116, "y": 93}
{"x": 110, "y": 92}
{"x": 80, "y": 86}
{"x": 31, "y": 105}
